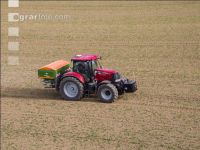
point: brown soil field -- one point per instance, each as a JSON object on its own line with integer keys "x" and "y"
{"x": 157, "y": 42}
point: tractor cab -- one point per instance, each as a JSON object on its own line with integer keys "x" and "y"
{"x": 86, "y": 66}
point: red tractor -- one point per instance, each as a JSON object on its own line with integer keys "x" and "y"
{"x": 85, "y": 77}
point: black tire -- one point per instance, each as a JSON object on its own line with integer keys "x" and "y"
{"x": 74, "y": 82}
{"x": 107, "y": 93}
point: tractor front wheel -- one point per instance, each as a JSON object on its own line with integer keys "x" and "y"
{"x": 71, "y": 88}
{"x": 107, "y": 93}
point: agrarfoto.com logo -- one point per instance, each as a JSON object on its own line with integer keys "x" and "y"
{"x": 13, "y": 17}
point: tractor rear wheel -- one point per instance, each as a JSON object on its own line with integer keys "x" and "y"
{"x": 107, "y": 93}
{"x": 71, "y": 88}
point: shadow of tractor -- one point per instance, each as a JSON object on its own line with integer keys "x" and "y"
{"x": 40, "y": 94}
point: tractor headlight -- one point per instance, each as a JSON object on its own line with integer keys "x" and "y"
{"x": 117, "y": 80}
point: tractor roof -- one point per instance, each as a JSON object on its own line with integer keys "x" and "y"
{"x": 84, "y": 57}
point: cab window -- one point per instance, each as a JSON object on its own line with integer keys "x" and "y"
{"x": 94, "y": 65}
